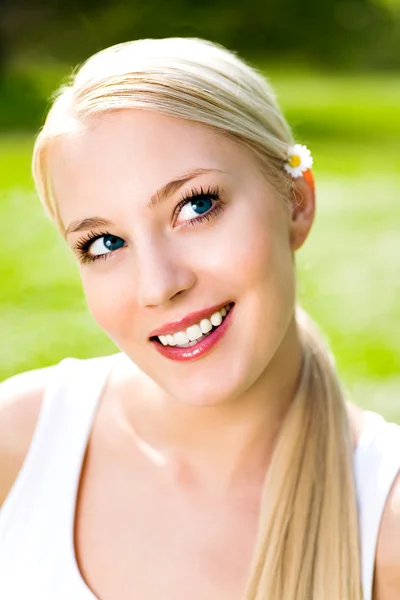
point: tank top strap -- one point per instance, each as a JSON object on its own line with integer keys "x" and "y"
{"x": 376, "y": 465}
{"x": 48, "y": 474}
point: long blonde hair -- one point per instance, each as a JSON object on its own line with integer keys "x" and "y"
{"x": 307, "y": 546}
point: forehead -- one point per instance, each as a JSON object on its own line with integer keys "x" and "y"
{"x": 128, "y": 154}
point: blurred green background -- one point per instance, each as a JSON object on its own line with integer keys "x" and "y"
{"x": 336, "y": 69}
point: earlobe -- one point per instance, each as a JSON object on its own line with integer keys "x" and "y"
{"x": 303, "y": 209}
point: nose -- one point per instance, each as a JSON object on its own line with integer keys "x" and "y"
{"x": 162, "y": 273}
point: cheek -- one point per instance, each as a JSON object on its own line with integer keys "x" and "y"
{"x": 257, "y": 250}
{"x": 108, "y": 296}
{"x": 262, "y": 261}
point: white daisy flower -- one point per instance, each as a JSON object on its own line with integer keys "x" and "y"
{"x": 299, "y": 160}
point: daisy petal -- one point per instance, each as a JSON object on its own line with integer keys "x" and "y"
{"x": 303, "y": 160}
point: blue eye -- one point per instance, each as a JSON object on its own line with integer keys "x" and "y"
{"x": 108, "y": 242}
{"x": 95, "y": 246}
{"x": 202, "y": 205}
{"x": 205, "y": 203}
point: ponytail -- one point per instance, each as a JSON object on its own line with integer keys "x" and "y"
{"x": 307, "y": 546}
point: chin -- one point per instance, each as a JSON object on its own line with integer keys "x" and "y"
{"x": 212, "y": 390}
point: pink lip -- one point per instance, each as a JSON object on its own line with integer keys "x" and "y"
{"x": 187, "y": 321}
{"x": 203, "y": 347}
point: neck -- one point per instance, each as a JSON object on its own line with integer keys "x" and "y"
{"x": 215, "y": 446}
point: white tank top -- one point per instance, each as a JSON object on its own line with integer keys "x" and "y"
{"x": 37, "y": 556}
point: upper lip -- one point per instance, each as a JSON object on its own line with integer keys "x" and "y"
{"x": 191, "y": 319}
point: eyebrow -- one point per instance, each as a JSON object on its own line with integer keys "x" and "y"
{"x": 160, "y": 196}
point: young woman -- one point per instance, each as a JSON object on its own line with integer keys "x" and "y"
{"x": 215, "y": 456}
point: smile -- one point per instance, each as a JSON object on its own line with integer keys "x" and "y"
{"x": 204, "y": 334}
{"x": 193, "y": 334}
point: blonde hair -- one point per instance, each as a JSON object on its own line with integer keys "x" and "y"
{"x": 307, "y": 547}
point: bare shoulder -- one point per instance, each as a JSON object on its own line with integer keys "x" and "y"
{"x": 20, "y": 401}
{"x": 387, "y": 569}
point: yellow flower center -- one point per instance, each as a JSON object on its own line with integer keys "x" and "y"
{"x": 294, "y": 161}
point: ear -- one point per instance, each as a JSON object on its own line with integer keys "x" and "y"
{"x": 302, "y": 210}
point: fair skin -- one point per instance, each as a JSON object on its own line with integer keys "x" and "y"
{"x": 184, "y": 448}
{"x": 201, "y": 442}
{"x": 166, "y": 270}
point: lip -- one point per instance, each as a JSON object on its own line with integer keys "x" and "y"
{"x": 204, "y": 346}
{"x": 191, "y": 319}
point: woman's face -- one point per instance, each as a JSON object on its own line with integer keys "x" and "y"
{"x": 161, "y": 262}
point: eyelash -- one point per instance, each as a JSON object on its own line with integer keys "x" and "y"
{"x": 83, "y": 244}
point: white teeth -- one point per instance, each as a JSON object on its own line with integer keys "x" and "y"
{"x": 216, "y": 319}
{"x": 205, "y": 325}
{"x": 195, "y": 332}
{"x": 181, "y": 337}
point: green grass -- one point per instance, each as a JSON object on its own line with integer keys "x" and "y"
{"x": 348, "y": 270}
